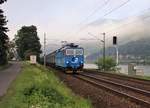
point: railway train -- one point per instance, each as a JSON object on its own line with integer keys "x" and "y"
{"x": 69, "y": 58}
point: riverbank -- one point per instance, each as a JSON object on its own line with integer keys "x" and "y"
{"x": 39, "y": 87}
{"x": 124, "y": 68}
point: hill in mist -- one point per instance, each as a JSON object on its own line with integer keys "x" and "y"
{"x": 139, "y": 48}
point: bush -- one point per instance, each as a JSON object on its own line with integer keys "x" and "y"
{"x": 46, "y": 97}
{"x": 110, "y": 64}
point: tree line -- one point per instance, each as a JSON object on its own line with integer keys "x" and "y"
{"x": 3, "y": 37}
{"x": 26, "y": 41}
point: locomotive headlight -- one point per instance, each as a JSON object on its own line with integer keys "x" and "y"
{"x": 81, "y": 62}
{"x": 67, "y": 62}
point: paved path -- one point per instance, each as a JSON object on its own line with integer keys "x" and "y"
{"x": 8, "y": 75}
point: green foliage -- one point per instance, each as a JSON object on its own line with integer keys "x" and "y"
{"x": 11, "y": 51}
{"x": 28, "y": 42}
{"x": 110, "y": 64}
{"x": 147, "y": 60}
{"x": 3, "y": 37}
{"x": 2, "y": 1}
{"x": 37, "y": 87}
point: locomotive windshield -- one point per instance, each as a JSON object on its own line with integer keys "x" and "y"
{"x": 74, "y": 52}
{"x": 70, "y": 52}
{"x": 79, "y": 51}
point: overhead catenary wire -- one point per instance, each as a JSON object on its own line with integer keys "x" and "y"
{"x": 122, "y": 25}
{"x": 119, "y": 27}
{"x": 116, "y": 8}
{"x": 95, "y": 11}
{"x": 92, "y": 13}
{"x": 125, "y": 25}
{"x": 111, "y": 11}
{"x": 116, "y": 28}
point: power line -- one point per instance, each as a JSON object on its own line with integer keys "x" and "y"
{"x": 95, "y": 11}
{"x": 114, "y": 9}
{"x": 125, "y": 25}
{"x": 122, "y": 25}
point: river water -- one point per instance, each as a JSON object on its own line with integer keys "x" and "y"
{"x": 124, "y": 68}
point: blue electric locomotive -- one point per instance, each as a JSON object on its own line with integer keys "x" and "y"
{"x": 70, "y": 58}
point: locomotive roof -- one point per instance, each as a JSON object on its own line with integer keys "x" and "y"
{"x": 68, "y": 47}
{"x": 71, "y": 45}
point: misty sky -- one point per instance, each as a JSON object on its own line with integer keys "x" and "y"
{"x": 60, "y": 19}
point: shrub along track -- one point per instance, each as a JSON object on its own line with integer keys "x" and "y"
{"x": 100, "y": 97}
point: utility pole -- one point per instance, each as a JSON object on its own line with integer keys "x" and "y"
{"x": 117, "y": 55}
{"x": 44, "y": 49}
{"x": 104, "y": 54}
{"x": 104, "y": 42}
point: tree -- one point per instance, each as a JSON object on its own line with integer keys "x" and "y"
{"x": 110, "y": 64}
{"x": 12, "y": 50}
{"x": 3, "y": 37}
{"x": 2, "y": 1}
{"x": 27, "y": 42}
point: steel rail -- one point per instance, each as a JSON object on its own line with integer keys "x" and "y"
{"x": 99, "y": 85}
{"x": 122, "y": 77}
{"x": 145, "y": 92}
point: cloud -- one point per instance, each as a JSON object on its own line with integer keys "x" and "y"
{"x": 126, "y": 30}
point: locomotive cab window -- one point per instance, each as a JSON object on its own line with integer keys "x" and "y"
{"x": 70, "y": 52}
{"x": 79, "y": 51}
{"x": 74, "y": 51}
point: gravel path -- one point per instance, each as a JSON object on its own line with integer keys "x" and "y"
{"x": 8, "y": 75}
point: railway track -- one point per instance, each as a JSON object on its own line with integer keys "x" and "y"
{"x": 126, "y": 80}
{"x": 139, "y": 96}
{"x": 122, "y": 77}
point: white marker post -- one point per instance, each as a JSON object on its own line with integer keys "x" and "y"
{"x": 33, "y": 59}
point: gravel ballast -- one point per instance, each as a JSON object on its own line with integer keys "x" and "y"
{"x": 99, "y": 97}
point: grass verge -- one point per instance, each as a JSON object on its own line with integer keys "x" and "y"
{"x": 144, "y": 77}
{"x": 37, "y": 87}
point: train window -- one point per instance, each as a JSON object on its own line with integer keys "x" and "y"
{"x": 70, "y": 52}
{"x": 79, "y": 51}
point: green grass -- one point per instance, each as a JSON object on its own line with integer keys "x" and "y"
{"x": 37, "y": 87}
{"x": 144, "y": 77}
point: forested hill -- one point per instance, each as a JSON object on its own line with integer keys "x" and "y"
{"x": 139, "y": 47}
